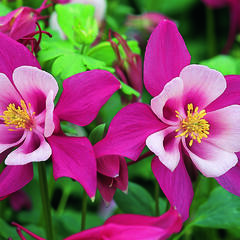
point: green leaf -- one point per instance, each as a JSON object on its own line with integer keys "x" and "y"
{"x": 7, "y": 231}
{"x": 136, "y": 201}
{"x": 4, "y": 10}
{"x": 224, "y": 64}
{"x": 71, "y": 129}
{"x": 97, "y": 133}
{"x": 77, "y": 22}
{"x": 221, "y": 210}
{"x": 55, "y": 49}
{"x": 69, "y": 64}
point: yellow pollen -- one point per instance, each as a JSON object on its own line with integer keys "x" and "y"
{"x": 194, "y": 125}
{"x": 18, "y": 117}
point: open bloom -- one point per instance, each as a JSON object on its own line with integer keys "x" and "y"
{"x": 126, "y": 226}
{"x": 191, "y": 120}
{"x": 234, "y": 8}
{"x": 30, "y": 125}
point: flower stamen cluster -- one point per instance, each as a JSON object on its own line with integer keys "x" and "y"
{"x": 194, "y": 125}
{"x": 18, "y": 117}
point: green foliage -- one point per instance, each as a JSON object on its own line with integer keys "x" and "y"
{"x": 221, "y": 210}
{"x": 78, "y": 23}
{"x": 7, "y": 231}
{"x": 225, "y": 64}
{"x": 97, "y": 133}
{"x": 4, "y": 10}
{"x": 136, "y": 201}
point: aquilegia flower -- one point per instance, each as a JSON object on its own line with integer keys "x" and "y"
{"x": 127, "y": 226}
{"x": 30, "y": 125}
{"x": 190, "y": 120}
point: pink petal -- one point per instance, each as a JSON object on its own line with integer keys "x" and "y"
{"x": 176, "y": 186}
{"x": 10, "y": 139}
{"x": 14, "y": 178}
{"x": 84, "y": 94}
{"x": 8, "y": 93}
{"x": 34, "y": 85}
{"x": 34, "y": 149}
{"x": 166, "y": 55}
{"x": 108, "y": 165}
{"x": 230, "y": 180}
{"x": 202, "y": 85}
{"x": 168, "y": 101}
{"x": 49, "y": 122}
{"x": 230, "y": 96}
{"x": 13, "y": 55}
{"x": 73, "y": 157}
{"x": 122, "y": 180}
{"x": 165, "y": 146}
{"x": 128, "y": 131}
{"x": 211, "y": 160}
{"x": 224, "y": 128}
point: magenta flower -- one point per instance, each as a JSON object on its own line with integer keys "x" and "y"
{"x": 126, "y": 226}
{"x": 30, "y": 125}
{"x": 21, "y": 24}
{"x": 112, "y": 173}
{"x": 191, "y": 120}
{"x": 234, "y": 28}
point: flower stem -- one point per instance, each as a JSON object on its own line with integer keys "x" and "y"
{"x": 156, "y": 199}
{"x": 45, "y": 200}
{"x": 210, "y": 32}
{"x": 84, "y": 210}
{"x": 63, "y": 201}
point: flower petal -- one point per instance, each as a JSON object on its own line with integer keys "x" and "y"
{"x": 122, "y": 180}
{"x": 73, "y": 157}
{"x": 165, "y": 146}
{"x": 168, "y": 101}
{"x": 84, "y": 94}
{"x": 176, "y": 186}
{"x": 202, "y": 85}
{"x": 225, "y": 128}
{"x": 13, "y": 55}
{"x": 33, "y": 149}
{"x": 128, "y": 131}
{"x": 8, "y": 93}
{"x": 10, "y": 139}
{"x": 109, "y": 165}
{"x": 34, "y": 85}
{"x": 211, "y": 160}
{"x": 230, "y": 180}
{"x": 230, "y": 96}
{"x": 166, "y": 55}
{"x": 13, "y": 178}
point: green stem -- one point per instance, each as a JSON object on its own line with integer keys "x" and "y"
{"x": 63, "y": 201}
{"x": 183, "y": 232}
{"x": 5, "y": 2}
{"x": 19, "y": 3}
{"x": 3, "y": 202}
{"x": 84, "y": 210}
{"x": 157, "y": 213}
{"x": 210, "y": 32}
{"x": 45, "y": 200}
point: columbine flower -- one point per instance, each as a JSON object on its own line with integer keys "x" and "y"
{"x": 21, "y": 24}
{"x": 126, "y": 226}
{"x": 128, "y": 68}
{"x": 190, "y": 120}
{"x": 30, "y": 125}
{"x": 234, "y": 7}
{"x": 112, "y": 173}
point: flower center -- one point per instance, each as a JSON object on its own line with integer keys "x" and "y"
{"x": 194, "y": 125}
{"x": 19, "y": 117}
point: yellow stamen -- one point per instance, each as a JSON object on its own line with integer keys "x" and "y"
{"x": 194, "y": 125}
{"x": 19, "y": 117}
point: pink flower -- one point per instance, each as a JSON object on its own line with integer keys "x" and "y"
{"x": 191, "y": 120}
{"x": 128, "y": 69}
{"x": 21, "y": 24}
{"x": 234, "y": 8}
{"x": 127, "y": 226}
{"x": 30, "y": 124}
{"x": 112, "y": 173}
